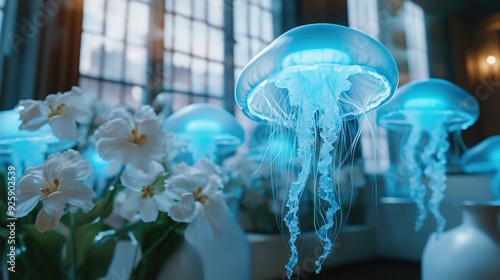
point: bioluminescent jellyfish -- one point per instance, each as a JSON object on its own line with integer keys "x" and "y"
{"x": 210, "y": 131}
{"x": 485, "y": 157}
{"x": 429, "y": 110}
{"x": 26, "y": 148}
{"x": 310, "y": 80}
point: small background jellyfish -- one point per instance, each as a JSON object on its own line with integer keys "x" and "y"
{"x": 25, "y": 148}
{"x": 485, "y": 157}
{"x": 427, "y": 111}
{"x": 210, "y": 131}
{"x": 311, "y": 80}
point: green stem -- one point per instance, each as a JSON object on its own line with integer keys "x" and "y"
{"x": 113, "y": 186}
{"x": 73, "y": 244}
{"x": 159, "y": 241}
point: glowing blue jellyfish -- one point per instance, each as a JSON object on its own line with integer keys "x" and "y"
{"x": 310, "y": 80}
{"x": 429, "y": 110}
{"x": 210, "y": 131}
{"x": 25, "y": 148}
{"x": 485, "y": 157}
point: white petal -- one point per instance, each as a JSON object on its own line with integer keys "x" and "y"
{"x": 114, "y": 129}
{"x": 162, "y": 202}
{"x": 155, "y": 170}
{"x": 64, "y": 128}
{"x": 121, "y": 113}
{"x": 55, "y": 202}
{"x": 199, "y": 230}
{"x": 130, "y": 205}
{"x": 118, "y": 149}
{"x": 207, "y": 166}
{"x": 47, "y": 220}
{"x": 29, "y": 194}
{"x": 78, "y": 195}
{"x": 72, "y": 167}
{"x": 34, "y": 115}
{"x": 149, "y": 211}
{"x": 134, "y": 179}
{"x": 144, "y": 113}
{"x": 186, "y": 210}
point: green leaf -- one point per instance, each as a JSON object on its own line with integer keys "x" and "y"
{"x": 100, "y": 256}
{"x": 83, "y": 240}
{"x": 42, "y": 252}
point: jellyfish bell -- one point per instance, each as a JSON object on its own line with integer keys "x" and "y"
{"x": 485, "y": 157}
{"x": 26, "y": 148}
{"x": 311, "y": 79}
{"x": 429, "y": 110}
{"x": 210, "y": 131}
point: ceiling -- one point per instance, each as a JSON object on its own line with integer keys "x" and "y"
{"x": 465, "y": 9}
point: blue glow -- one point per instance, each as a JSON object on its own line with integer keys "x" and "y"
{"x": 102, "y": 169}
{"x": 25, "y": 148}
{"x": 485, "y": 157}
{"x": 430, "y": 109}
{"x": 309, "y": 80}
{"x": 210, "y": 130}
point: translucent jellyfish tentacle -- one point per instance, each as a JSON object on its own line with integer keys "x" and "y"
{"x": 330, "y": 123}
{"x": 436, "y": 171}
{"x": 304, "y": 128}
{"x": 417, "y": 189}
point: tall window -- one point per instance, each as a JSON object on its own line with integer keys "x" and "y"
{"x": 114, "y": 50}
{"x": 2, "y": 5}
{"x": 119, "y": 39}
{"x": 253, "y": 31}
{"x": 418, "y": 64}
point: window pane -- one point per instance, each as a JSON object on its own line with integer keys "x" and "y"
{"x": 241, "y": 18}
{"x": 267, "y": 26}
{"x": 215, "y": 101}
{"x": 138, "y": 23}
{"x": 241, "y": 51}
{"x": 134, "y": 96}
{"x": 168, "y": 34}
{"x": 198, "y": 74}
{"x": 255, "y": 20}
{"x": 183, "y": 7}
{"x": 216, "y": 12}
{"x": 111, "y": 93}
{"x": 200, "y": 9}
{"x": 198, "y": 99}
{"x": 267, "y": 4}
{"x": 200, "y": 31}
{"x": 113, "y": 60}
{"x": 216, "y": 45}
{"x": 168, "y": 70}
{"x": 93, "y": 15}
{"x": 115, "y": 19}
{"x": 90, "y": 55}
{"x": 2, "y": 3}
{"x": 169, "y": 5}
{"x": 215, "y": 79}
{"x": 182, "y": 35}
{"x": 89, "y": 87}
{"x": 180, "y": 100}
{"x": 181, "y": 71}
{"x": 136, "y": 65}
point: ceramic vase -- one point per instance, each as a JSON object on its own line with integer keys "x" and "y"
{"x": 469, "y": 251}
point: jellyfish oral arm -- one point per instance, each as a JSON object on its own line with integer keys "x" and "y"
{"x": 434, "y": 160}
{"x": 417, "y": 189}
{"x": 305, "y": 140}
{"x": 330, "y": 124}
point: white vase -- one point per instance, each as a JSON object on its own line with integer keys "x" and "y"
{"x": 184, "y": 264}
{"x": 469, "y": 251}
{"x": 227, "y": 255}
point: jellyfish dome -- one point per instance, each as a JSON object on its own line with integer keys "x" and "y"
{"x": 485, "y": 157}
{"x": 310, "y": 80}
{"x": 26, "y": 148}
{"x": 429, "y": 110}
{"x": 210, "y": 131}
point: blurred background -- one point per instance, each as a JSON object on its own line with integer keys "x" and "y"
{"x": 126, "y": 52}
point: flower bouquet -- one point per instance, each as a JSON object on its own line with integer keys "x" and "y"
{"x": 63, "y": 230}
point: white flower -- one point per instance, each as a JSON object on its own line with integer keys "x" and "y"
{"x": 57, "y": 184}
{"x": 143, "y": 194}
{"x": 61, "y": 111}
{"x": 196, "y": 197}
{"x": 131, "y": 139}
